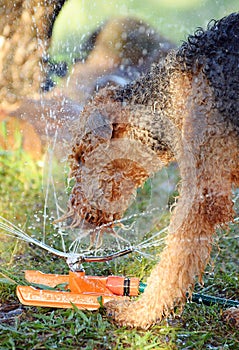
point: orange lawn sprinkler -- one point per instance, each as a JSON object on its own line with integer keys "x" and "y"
{"x": 76, "y": 288}
{"x": 90, "y": 292}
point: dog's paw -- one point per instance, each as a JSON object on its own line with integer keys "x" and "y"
{"x": 132, "y": 314}
{"x": 231, "y": 316}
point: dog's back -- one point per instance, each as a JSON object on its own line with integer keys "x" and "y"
{"x": 216, "y": 51}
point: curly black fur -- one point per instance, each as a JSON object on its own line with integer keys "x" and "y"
{"x": 216, "y": 50}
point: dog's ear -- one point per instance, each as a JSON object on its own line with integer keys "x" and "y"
{"x": 99, "y": 125}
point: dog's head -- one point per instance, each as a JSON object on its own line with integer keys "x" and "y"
{"x": 110, "y": 159}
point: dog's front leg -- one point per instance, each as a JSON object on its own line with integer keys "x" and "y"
{"x": 205, "y": 201}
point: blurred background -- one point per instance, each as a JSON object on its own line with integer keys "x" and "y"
{"x": 173, "y": 18}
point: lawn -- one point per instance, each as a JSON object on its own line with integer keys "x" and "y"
{"x": 25, "y": 185}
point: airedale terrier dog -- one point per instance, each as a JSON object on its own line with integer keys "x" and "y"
{"x": 185, "y": 109}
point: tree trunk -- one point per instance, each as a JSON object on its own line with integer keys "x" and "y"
{"x": 25, "y": 30}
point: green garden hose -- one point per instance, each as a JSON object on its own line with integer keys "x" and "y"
{"x": 203, "y": 299}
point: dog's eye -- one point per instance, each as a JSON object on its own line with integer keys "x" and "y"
{"x": 79, "y": 158}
